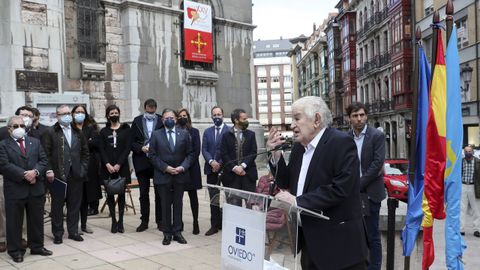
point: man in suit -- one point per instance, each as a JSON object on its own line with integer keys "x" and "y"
{"x": 67, "y": 152}
{"x": 371, "y": 153}
{"x": 470, "y": 190}
{"x": 171, "y": 154}
{"x": 211, "y": 152}
{"x": 238, "y": 152}
{"x": 142, "y": 128}
{"x": 322, "y": 175}
{"x": 27, "y": 115}
{"x": 23, "y": 163}
{"x": 37, "y": 128}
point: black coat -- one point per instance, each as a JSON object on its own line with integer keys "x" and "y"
{"x": 92, "y": 186}
{"x": 13, "y": 164}
{"x": 195, "y": 172}
{"x": 139, "y": 139}
{"x": 228, "y": 153}
{"x": 331, "y": 185}
{"x": 115, "y": 155}
{"x": 52, "y": 141}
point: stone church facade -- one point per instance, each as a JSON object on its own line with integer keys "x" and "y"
{"x": 123, "y": 52}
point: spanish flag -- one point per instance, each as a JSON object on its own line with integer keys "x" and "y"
{"x": 435, "y": 156}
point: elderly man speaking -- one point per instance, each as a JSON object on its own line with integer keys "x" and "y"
{"x": 322, "y": 175}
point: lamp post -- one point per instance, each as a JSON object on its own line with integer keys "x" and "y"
{"x": 466, "y": 73}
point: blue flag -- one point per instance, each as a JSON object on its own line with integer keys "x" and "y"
{"x": 453, "y": 170}
{"x": 415, "y": 190}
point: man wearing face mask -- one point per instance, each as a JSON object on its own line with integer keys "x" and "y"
{"x": 211, "y": 152}
{"x": 142, "y": 128}
{"x": 238, "y": 152}
{"x": 26, "y": 113}
{"x": 171, "y": 154}
{"x": 67, "y": 152}
{"x": 470, "y": 190}
{"x": 23, "y": 162}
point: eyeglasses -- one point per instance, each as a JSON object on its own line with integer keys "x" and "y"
{"x": 65, "y": 113}
{"x": 15, "y": 126}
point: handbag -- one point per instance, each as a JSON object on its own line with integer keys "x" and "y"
{"x": 114, "y": 185}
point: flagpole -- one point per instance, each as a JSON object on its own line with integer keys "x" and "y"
{"x": 436, "y": 20}
{"x": 449, "y": 19}
{"x": 413, "y": 134}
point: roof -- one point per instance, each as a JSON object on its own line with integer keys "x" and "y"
{"x": 274, "y": 45}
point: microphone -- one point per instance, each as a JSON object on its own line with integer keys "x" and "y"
{"x": 283, "y": 146}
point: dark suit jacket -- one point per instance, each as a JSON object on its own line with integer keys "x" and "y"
{"x": 52, "y": 141}
{"x": 194, "y": 171}
{"x": 161, "y": 156}
{"x": 13, "y": 164}
{"x": 139, "y": 139}
{"x": 331, "y": 186}
{"x": 228, "y": 153}
{"x": 372, "y": 162}
{"x": 210, "y": 148}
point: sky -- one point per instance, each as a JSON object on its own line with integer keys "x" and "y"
{"x": 288, "y": 18}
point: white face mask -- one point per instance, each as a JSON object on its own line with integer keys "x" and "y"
{"x": 28, "y": 121}
{"x": 18, "y": 133}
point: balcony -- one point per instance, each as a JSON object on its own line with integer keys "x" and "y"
{"x": 339, "y": 86}
{"x": 380, "y": 106}
{"x": 384, "y": 59}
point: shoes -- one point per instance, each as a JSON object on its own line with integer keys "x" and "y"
{"x": 87, "y": 229}
{"x": 166, "y": 240}
{"x": 142, "y": 227}
{"x": 57, "y": 240}
{"x": 75, "y": 237}
{"x": 179, "y": 238}
{"x": 24, "y": 243}
{"x": 196, "y": 229}
{"x": 462, "y": 233}
{"x": 120, "y": 228}
{"x": 92, "y": 212}
{"x": 476, "y": 233}
{"x": 42, "y": 251}
{"x": 114, "y": 228}
{"x": 211, "y": 231}
{"x": 17, "y": 258}
{"x": 3, "y": 247}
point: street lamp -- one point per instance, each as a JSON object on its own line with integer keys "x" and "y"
{"x": 467, "y": 77}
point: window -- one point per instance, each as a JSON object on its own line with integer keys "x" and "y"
{"x": 87, "y": 29}
{"x": 275, "y": 91}
{"x": 262, "y": 79}
{"x": 262, "y": 92}
{"x": 462, "y": 33}
{"x": 275, "y": 79}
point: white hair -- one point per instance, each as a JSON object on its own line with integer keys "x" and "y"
{"x": 312, "y": 105}
{"x": 10, "y": 120}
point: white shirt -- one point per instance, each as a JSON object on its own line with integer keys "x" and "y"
{"x": 149, "y": 127}
{"x": 359, "y": 142}
{"x": 67, "y": 131}
{"x": 307, "y": 158}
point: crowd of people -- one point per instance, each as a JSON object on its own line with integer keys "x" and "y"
{"x": 338, "y": 173}
{"x": 71, "y": 160}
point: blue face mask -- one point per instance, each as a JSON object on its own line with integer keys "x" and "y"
{"x": 169, "y": 123}
{"x": 79, "y": 117}
{"x": 65, "y": 120}
{"x": 217, "y": 121}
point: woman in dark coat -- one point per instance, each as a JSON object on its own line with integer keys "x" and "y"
{"x": 195, "y": 183}
{"x": 91, "y": 187}
{"x": 114, "y": 147}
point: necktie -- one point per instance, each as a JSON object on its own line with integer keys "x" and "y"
{"x": 170, "y": 140}
{"x": 217, "y": 130}
{"x": 22, "y": 146}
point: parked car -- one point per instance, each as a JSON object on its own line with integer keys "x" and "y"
{"x": 395, "y": 178}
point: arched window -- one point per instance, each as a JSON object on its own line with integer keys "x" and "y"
{"x": 193, "y": 64}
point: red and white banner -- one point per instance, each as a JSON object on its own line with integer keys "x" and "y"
{"x": 197, "y": 32}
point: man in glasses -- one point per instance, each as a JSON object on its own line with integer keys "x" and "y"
{"x": 23, "y": 162}
{"x": 26, "y": 114}
{"x": 67, "y": 152}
